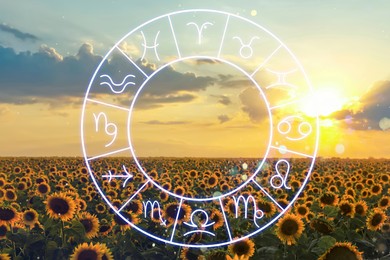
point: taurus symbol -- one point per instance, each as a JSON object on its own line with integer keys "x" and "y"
{"x": 246, "y": 47}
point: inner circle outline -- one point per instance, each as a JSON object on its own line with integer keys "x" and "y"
{"x": 129, "y": 128}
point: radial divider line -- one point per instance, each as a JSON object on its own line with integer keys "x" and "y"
{"x": 133, "y": 196}
{"x": 223, "y": 36}
{"x": 177, "y": 216}
{"x": 107, "y": 104}
{"x": 268, "y": 195}
{"x": 224, "y": 216}
{"x": 266, "y": 60}
{"x": 298, "y": 153}
{"x": 105, "y": 154}
{"x": 286, "y": 104}
{"x": 132, "y": 62}
{"x": 174, "y": 36}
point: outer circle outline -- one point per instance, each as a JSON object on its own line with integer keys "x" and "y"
{"x": 129, "y": 128}
{"x": 204, "y": 245}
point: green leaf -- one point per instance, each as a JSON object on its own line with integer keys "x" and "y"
{"x": 331, "y": 211}
{"x": 324, "y": 243}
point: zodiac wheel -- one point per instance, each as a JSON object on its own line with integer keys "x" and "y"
{"x": 166, "y": 198}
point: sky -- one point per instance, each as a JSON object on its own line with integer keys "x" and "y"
{"x": 49, "y": 52}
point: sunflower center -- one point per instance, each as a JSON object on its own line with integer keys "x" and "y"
{"x": 302, "y": 210}
{"x": 3, "y": 230}
{"x": 384, "y": 202}
{"x": 104, "y": 228}
{"x": 42, "y": 188}
{"x": 327, "y": 199}
{"x": 6, "y": 214}
{"x": 376, "y": 219}
{"x": 87, "y": 224}
{"x": 359, "y": 209}
{"x": 289, "y": 227}
{"x": 341, "y": 253}
{"x": 59, "y": 206}
{"x": 346, "y": 208}
{"x": 88, "y": 254}
{"x": 241, "y": 248}
{"x": 29, "y": 216}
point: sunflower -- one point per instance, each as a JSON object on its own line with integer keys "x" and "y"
{"x": 217, "y": 217}
{"x": 386, "y": 227}
{"x": 3, "y": 230}
{"x": 243, "y": 248}
{"x": 100, "y": 208}
{"x": 81, "y": 204}
{"x": 8, "y": 215}
{"x": 163, "y": 196}
{"x": 347, "y": 208}
{"x": 105, "y": 227}
{"x": 179, "y": 190}
{"x": 10, "y": 195}
{"x": 106, "y": 252}
{"x": 90, "y": 223}
{"x": 212, "y": 181}
{"x": 85, "y": 251}
{"x": 30, "y": 217}
{"x": 328, "y": 198}
{"x": 321, "y": 226}
{"x": 376, "y": 219}
{"x": 342, "y": 250}
{"x": 5, "y": 257}
{"x": 376, "y": 189}
{"x": 267, "y": 207}
{"x": 384, "y": 202}
{"x": 135, "y": 206}
{"x": 289, "y": 228}
{"x": 43, "y": 188}
{"x": 129, "y": 216}
{"x": 171, "y": 212}
{"x": 302, "y": 210}
{"x": 60, "y": 206}
{"x": 361, "y": 208}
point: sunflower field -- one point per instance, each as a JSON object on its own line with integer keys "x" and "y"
{"x": 50, "y": 209}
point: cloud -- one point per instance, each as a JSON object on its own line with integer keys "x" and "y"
{"x": 224, "y": 100}
{"x": 374, "y": 107}
{"x": 27, "y": 77}
{"x": 48, "y": 77}
{"x": 151, "y": 102}
{"x": 158, "y": 122}
{"x": 252, "y": 104}
{"x": 223, "y": 118}
{"x": 170, "y": 81}
{"x": 18, "y": 34}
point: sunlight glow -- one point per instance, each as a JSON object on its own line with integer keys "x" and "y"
{"x": 323, "y": 102}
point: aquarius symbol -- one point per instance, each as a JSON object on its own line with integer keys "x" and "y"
{"x": 125, "y": 175}
{"x": 281, "y": 78}
{"x": 150, "y": 47}
{"x": 203, "y": 26}
{"x": 152, "y": 205}
{"x": 246, "y": 47}
{"x": 279, "y": 176}
{"x": 107, "y": 126}
{"x": 117, "y": 84}
{"x": 301, "y": 128}
{"x": 257, "y": 213}
{"x": 202, "y": 225}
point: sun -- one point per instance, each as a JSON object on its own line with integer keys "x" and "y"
{"x": 323, "y": 102}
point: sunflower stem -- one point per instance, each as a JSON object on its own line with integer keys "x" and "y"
{"x": 62, "y": 234}
{"x": 178, "y": 253}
